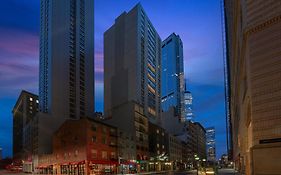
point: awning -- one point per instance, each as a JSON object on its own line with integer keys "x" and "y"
{"x": 77, "y": 163}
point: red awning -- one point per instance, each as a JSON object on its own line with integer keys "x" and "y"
{"x": 77, "y": 163}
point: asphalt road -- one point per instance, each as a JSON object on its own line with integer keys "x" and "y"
{"x": 220, "y": 172}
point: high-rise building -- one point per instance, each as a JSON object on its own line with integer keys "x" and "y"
{"x": 253, "y": 45}
{"x": 211, "y": 144}
{"x": 172, "y": 78}
{"x": 132, "y": 64}
{"x": 132, "y": 69}
{"x": 66, "y": 75}
{"x": 24, "y": 112}
{"x": 66, "y": 81}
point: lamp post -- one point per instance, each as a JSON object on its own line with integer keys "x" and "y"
{"x": 197, "y": 159}
{"x": 204, "y": 164}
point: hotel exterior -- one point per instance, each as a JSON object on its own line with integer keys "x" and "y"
{"x": 132, "y": 76}
{"x": 254, "y": 61}
{"x": 132, "y": 64}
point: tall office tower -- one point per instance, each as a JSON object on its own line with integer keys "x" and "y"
{"x": 24, "y": 112}
{"x": 254, "y": 57}
{"x": 172, "y": 78}
{"x": 211, "y": 144}
{"x": 132, "y": 64}
{"x": 66, "y": 86}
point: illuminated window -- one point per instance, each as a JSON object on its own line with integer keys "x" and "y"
{"x": 30, "y": 99}
{"x": 104, "y": 155}
{"x": 112, "y": 155}
{"x": 94, "y": 153}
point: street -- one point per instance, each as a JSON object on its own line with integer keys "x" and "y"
{"x": 220, "y": 172}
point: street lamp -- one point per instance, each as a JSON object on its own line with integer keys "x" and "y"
{"x": 197, "y": 159}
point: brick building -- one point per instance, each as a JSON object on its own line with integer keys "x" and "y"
{"x": 82, "y": 146}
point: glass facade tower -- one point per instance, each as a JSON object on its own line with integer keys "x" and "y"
{"x": 172, "y": 74}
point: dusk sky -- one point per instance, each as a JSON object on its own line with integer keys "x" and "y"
{"x": 197, "y": 22}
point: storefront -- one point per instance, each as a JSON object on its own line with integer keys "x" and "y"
{"x": 160, "y": 166}
{"x": 142, "y": 166}
{"x": 97, "y": 167}
{"x": 45, "y": 169}
{"x": 27, "y": 167}
{"x": 128, "y": 167}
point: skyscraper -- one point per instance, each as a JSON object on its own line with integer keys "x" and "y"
{"x": 132, "y": 63}
{"x": 66, "y": 74}
{"x": 66, "y": 83}
{"x": 254, "y": 61}
{"x": 132, "y": 69}
{"x": 211, "y": 144}
{"x": 172, "y": 78}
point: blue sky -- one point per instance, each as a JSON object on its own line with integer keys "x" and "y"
{"x": 197, "y": 22}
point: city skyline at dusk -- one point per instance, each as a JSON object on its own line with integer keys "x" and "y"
{"x": 197, "y": 23}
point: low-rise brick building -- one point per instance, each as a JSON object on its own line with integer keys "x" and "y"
{"x": 82, "y": 146}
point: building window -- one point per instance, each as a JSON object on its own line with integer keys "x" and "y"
{"x": 112, "y": 155}
{"x": 157, "y": 131}
{"x": 104, "y": 155}
{"x": 94, "y": 153}
{"x": 94, "y": 127}
{"x": 30, "y": 99}
{"x": 104, "y": 130}
{"x": 94, "y": 139}
{"x": 104, "y": 140}
{"x": 157, "y": 145}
